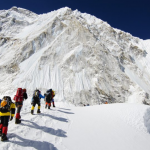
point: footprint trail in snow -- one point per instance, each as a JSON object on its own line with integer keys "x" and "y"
{"x": 38, "y": 131}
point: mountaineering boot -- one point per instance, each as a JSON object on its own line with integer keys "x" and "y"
{"x": 17, "y": 121}
{"x": 46, "y": 106}
{"x": 38, "y": 111}
{"x": 53, "y": 104}
{"x": 4, "y": 133}
{"x": 32, "y": 111}
{"x": 4, "y": 137}
{"x": 17, "y": 117}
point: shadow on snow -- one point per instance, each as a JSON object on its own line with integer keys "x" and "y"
{"x": 65, "y": 112}
{"x": 64, "y": 108}
{"x": 31, "y": 143}
{"x": 52, "y": 131}
{"x": 56, "y": 118}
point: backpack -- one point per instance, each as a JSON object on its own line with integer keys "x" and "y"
{"x": 36, "y": 93}
{"x": 36, "y": 97}
{"x": 9, "y": 101}
{"x": 6, "y": 101}
{"x": 48, "y": 96}
{"x": 53, "y": 93}
{"x": 19, "y": 95}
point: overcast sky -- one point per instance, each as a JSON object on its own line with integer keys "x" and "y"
{"x": 131, "y": 16}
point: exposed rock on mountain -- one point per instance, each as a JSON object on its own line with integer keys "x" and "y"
{"x": 81, "y": 57}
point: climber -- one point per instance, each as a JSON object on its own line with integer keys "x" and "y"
{"x": 49, "y": 97}
{"x": 7, "y": 112}
{"x": 18, "y": 98}
{"x": 36, "y": 100}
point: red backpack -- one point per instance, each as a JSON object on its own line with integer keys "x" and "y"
{"x": 19, "y": 95}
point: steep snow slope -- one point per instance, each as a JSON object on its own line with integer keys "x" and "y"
{"x": 81, "y": 57}
{"x": 111, "y": 127}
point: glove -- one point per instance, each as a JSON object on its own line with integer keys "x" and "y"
{"x": 11, "y": 118}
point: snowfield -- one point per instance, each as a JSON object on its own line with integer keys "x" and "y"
{"x": 65, "y": 127}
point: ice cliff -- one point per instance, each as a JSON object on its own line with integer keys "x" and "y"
{"x": 81, "y": 57}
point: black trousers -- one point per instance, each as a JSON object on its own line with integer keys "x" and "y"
{"x": 19, "y": 106}
{"x": 4, "y": 120}
{"x": 36, "y": 102}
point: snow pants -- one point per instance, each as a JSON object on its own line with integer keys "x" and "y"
{"x": 34, "y": 103}
{"x": 4, "y": 124}
{"x": 49, "y": 104}
{"x": 18, "y": 106}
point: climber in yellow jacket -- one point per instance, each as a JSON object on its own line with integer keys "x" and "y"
{"x": 7, "y": 112}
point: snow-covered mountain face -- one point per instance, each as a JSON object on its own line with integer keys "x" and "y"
{"x": 81, "y": 57}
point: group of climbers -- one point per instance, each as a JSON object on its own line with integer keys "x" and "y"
{"x": 36, "y": 99}
{"x": 8, "y": 108}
